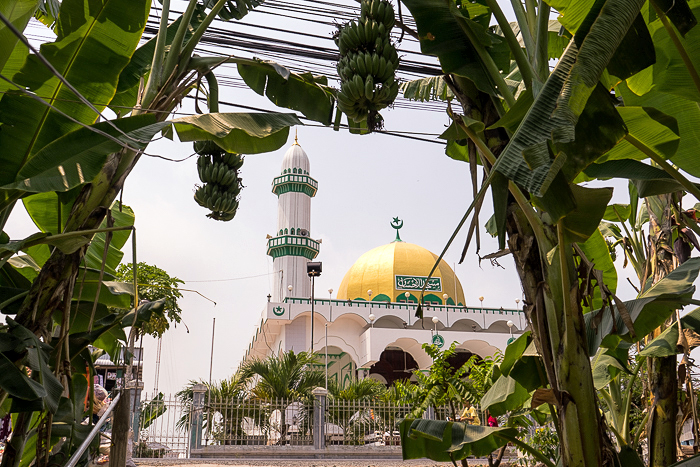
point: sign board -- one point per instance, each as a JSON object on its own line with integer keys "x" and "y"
{"x": 417, "y": 283}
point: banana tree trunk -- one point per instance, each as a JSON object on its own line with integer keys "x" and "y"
{"x": 551, "y": 293}
{"x": 663, "y": 382}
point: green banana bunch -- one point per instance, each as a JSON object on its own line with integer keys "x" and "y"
{"x": 368, "y": 63}
{"x": 218, "y": 171}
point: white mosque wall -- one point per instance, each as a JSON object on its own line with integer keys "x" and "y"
{"x": 390, "y": 314}
{"x": 287, "y": 325}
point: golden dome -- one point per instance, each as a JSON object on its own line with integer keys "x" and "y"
{"x": 390, "y": 271}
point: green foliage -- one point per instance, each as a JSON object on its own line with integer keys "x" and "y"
{"x": 155, "y": 284}
{"x": 442, "y": 385}
{"x": 366, "y": 389}
{"x": 546, "y": 441}
{"x": 282, "y": 376}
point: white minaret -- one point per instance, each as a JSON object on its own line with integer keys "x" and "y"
{"x": 291, "y": 247}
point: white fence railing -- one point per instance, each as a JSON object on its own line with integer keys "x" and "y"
{"x": 171, "y": 428}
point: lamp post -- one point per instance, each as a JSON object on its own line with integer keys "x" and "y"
{"x": 447, "y": 315}
{"x": 481, "y": 299}
{"x": 435, "y": 321}
{"x": 313, "y": 269}
{"x": 330, "y": 304}
{"x": 325, "y": 340}
{"x": 369, "y": 294}
{"x": 406, "y": 294}
{"x": 290, "y": 288}
{"x": 520, "y": 317}
{"x": 371, "y": 319}
{"x": 510, "y": 325}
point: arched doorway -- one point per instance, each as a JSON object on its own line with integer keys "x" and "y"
{"x": 394, "y": 364}
{"x": 460, "y": 357}
{"x": 342, "y": 369}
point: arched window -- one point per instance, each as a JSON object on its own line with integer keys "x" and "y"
{"x": 294, "y": 170}
{"x": 281, "y": 232}
{"x": 292, "y": 230}
{"x": 286, "y": 231}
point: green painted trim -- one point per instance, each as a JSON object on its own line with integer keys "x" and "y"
{"x": 432, "y": 298}
{"x": 292, "y": 245}
{"x": 450, "y": 301}
{"x": 296, "y": 183}
{"x": 401, "y": 298}
{"x": 381, "y": 298}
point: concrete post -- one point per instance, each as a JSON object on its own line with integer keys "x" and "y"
{"x": 319, "y": 429}
{"x": 133, "y": 390}
{"x": 196, "y": 416}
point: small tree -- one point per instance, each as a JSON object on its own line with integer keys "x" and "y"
{"x": 442, "y": 386}
{"x": 154, "y": 284}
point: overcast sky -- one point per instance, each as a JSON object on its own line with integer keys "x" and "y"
{"x": 364, "y": 181}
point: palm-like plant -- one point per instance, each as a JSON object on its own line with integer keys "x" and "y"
{"x": 286, "y": 376}
{"x": 218, "y": 397}
{"x": 351, "y": 408}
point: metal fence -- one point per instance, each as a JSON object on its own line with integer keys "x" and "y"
{"x": 363, "y": 422}
{"x": 171, "y": 428}
{"x": 164, "y": 424}
{"x": 254, "y": 422}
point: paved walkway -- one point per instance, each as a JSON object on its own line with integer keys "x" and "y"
{"x": 302, "y": 463}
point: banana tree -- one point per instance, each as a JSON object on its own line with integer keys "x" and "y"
{"x": 536, "y": 135}
{"x": 66, "y": 162}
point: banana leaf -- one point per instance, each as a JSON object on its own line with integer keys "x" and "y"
{"x": 652, "y": 127}
{"x": 123, "y": 216}
{"x": 92, "y": 47}
{"x": 669, "y": 74}
{"x": 304, "y": 92}
{"x": 648, "y": 180}
{"x": 444, "y": 441}
{"x": 42, "y": 390}
{"x": 598, "y": 253}
{"x": 647, "y": 312}
{"x": 426, "y": 89}
{"x": 441, "y": 35}
{"x": 666, "y": 343}
{"x": 686, "y": 113}
{"x": 505, "y": 395}
{"x": 18, "y": 12}
{"x": 140, "y": 64}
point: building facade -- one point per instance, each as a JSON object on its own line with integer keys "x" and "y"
{"x": 370, "y": 329}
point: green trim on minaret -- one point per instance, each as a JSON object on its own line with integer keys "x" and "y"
{"x": 296, "y": 183}
{"x": 397, "y": 224}
{"x": 292, "y": 245}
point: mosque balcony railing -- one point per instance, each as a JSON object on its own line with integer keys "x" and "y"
{"x": 297, "y": 183}
{"x": 400, "y": 306}
{"x": 292, "y": 245}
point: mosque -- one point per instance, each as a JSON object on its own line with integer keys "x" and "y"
{"x": 370, "y": 328}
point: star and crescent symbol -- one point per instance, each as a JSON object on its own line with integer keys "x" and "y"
{"x": 397, "y": 224}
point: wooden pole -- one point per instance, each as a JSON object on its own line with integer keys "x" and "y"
{"x": 120, "y": 431}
